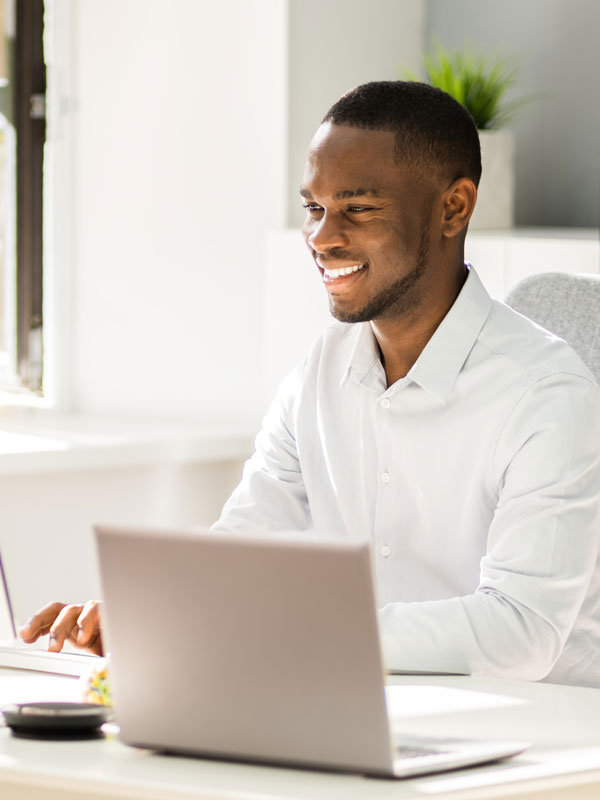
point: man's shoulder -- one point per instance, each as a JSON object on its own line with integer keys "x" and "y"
{"x": 528, "y": 347}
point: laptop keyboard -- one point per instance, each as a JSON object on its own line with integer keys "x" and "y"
{"x": 18, "y": 655}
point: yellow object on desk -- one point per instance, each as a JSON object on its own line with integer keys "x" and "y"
{"x": 95, "y": 684}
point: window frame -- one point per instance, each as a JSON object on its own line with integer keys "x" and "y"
{"x": 30, "y": 125}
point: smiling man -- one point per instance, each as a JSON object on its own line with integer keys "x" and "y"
{"x": 456, "y": 436}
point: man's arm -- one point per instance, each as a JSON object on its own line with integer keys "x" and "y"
{"x": 541, "y": 551}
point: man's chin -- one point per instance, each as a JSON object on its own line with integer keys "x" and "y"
{"x": 347, "y": 314}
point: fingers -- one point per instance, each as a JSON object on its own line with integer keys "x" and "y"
{"x": 89, "y": 633}
{"x": 77, "y": 624}
{"x": 64, "y": 628}
{"x": 40, "y": 623}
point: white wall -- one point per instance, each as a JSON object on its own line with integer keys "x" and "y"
{"x": 176, "y": 144}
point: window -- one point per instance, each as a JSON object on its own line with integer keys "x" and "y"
{"x": 22, "y": 136}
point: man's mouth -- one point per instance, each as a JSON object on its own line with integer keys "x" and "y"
{"x": 334, "y": 274}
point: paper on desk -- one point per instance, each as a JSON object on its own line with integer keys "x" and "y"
{"x": 545, "y": 764}
{"x": 417, "y": 701}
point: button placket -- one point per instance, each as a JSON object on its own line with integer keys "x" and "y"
{"x": 383, "y": 543}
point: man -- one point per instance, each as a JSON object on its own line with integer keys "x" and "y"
{"x": 455, "y": 435}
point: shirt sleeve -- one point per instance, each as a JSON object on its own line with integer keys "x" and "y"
{"x": 542, "y": 548}
{"x": 271, "y": 495}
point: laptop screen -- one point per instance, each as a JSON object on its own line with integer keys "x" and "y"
{"x": 8, "y": 631}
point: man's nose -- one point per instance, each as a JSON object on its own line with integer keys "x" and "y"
{"x": 326, "y": 233}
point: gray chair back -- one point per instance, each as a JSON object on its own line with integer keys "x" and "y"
{"x": 567, "y": 305}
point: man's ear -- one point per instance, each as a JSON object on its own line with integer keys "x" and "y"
{"x": 458, "y": 204}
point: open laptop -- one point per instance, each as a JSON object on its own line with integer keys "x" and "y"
{"x": 16, "y": 654}
{"x": 262, "y": 650}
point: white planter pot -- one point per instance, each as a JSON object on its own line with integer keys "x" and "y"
{"x": 495, "y": 196}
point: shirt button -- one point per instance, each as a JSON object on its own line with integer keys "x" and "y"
{"x": 385, "y": 477}
{"x": 386, "y": 402}
{"x": 385, "y": 550}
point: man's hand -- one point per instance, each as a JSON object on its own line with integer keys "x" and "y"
{"x": 77, "y": 624}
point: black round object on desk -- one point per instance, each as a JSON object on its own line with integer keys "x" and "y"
{"x": 56, "y": 720}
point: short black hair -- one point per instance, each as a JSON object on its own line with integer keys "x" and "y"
{"x": 433, "y": 130}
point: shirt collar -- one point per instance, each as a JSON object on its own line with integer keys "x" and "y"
{"x": 364, "y": 355}
{"x": 444, "y": 355}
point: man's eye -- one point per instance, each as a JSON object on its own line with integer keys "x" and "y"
{"x": 359, "y": 209}
{"x": 312, "y": 207}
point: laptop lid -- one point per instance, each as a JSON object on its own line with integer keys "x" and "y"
{"x": 8, "y": 631}
{"x": 253, "y": 649}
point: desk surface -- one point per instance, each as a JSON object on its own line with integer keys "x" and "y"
{"x": 564, "y": 763}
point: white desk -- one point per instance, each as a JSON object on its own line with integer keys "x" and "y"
{"x": 564, "y": 764}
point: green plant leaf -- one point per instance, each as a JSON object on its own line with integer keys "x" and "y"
{"x": 478, "y": 82}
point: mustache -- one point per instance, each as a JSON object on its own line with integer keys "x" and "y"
{"x": 331, "y": 258}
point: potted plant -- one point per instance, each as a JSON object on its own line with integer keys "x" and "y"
{"x": 480, "y": 84}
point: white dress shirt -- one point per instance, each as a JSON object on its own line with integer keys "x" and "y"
{"x": 476, "y": 478}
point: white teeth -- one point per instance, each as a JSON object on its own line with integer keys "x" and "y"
{"x": 338, "y": 273}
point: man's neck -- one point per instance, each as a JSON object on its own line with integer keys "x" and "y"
{"x": 401, "y": 340}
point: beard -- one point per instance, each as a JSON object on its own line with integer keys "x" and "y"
{"x": 393, "y": 300}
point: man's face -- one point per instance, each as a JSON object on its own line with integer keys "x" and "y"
{"x": 367, "y": 223}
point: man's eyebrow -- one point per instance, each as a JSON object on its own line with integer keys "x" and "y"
{"x": 344, "y": 194}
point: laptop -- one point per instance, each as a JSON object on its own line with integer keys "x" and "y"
{"x": 14, "y": 653}
{"x": 256, "y": 649}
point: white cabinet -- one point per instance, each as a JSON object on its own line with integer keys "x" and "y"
{"x": 502, "y": 258}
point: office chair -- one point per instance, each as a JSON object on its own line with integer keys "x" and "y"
{"x": 567, "y": 305}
